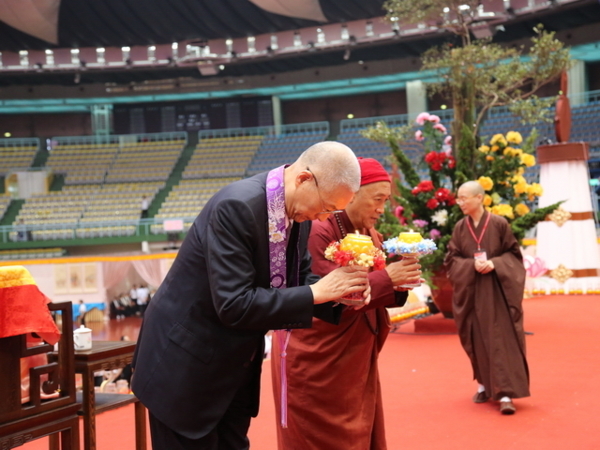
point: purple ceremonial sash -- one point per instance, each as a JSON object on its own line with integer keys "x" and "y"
{"x": 277, "y": 262}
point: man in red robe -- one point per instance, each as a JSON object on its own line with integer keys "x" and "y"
{"x": 485, "y": 267}
{"x": 333, "y": 390}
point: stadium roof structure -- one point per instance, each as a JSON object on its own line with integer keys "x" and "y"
{"x": 129, "y": 42}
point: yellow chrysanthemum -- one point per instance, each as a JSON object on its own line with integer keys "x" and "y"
{"x": 521, "y": 187}
{"x": 521, "y": 209}
{"x": 484, "y": 149}
{"x": 520, "y": 171}
{"x": 518, "y": 178}
{"x": 528, "y": 160}
{"x": 496, "y": 198}
{"x": 498, "y": 139}
{"x": 503, "y": 210}
{"x": 495, "y": 148}
{"x": 486, "y": 183}
{"x": 510, "y": 151}
{"x": 489, "y": 158}
{"x": 487, "y": 200}
{"x": 534, "y": 190}
{"x": 514, "y": 137}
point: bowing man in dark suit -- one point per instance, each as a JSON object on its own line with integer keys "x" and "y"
{"x": 243, "y": 269}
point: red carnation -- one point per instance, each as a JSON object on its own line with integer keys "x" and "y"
{"x": 378, "y": 263}
{"x": 425, "y": 186}
{"x": 432, "y": 203}
{"x": 342, "y": 257}
{"x": 451, "y": 162}
{"x": 430, "y": 157}
{"x": 442, "y": 194}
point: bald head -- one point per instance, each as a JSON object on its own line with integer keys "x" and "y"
{"x": 472, "y": 188}
{"x": 470, "y": 199}
{"x": 335, "y": 164}
{"x": 322, "y": 180}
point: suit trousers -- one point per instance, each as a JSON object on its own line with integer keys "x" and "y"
{"x": 231, "y": 433}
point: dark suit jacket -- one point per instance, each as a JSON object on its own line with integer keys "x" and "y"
{"x": 204, "y": 329}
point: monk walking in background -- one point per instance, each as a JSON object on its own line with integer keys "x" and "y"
{"x": 333, "y": 390}
{"x": 485, "y": 267}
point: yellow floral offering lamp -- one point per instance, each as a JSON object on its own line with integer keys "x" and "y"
{"x": 357, "y": 243}
{"x": 355, "y": 249}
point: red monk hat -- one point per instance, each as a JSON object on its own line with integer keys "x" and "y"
{"x": 371, "y": 171}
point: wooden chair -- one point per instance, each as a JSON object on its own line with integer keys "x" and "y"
{"x": 23, "y": 422}
{"x": 94, "y": 315}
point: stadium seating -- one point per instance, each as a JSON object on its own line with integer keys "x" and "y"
{"x": 187, "y": 199}
{"x": 145, "y": 161}
{"x": 82, "y": 163}
{"x": 4, "y": 202}
{"x": 222, "y": 157}
{"x": 86, "y": 211}
{"x": 115, "y": 209}
{"x": 17, "y": 154}
{"x": 105, "y": 182}
{"x": 277, "y": 150}
{"x": 32, "y": 253}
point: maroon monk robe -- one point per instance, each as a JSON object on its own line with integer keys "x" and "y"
{"x": 488, "y": 308}
{"x": 334, "y": 395}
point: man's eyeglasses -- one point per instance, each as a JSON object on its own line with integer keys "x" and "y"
{"x": 325, "y": 210}
{"x": 461, "y": 199}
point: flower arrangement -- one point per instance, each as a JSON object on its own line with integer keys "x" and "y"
{"x": 398, "y": 246}
{"x": 355, "y": 249}
{"x": 429, "y": 206}
{"x": 506, "y": 163}
{"x": 373, "y": 258}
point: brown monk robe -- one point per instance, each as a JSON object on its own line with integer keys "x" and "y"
{"x": 334, "y": 395}
{"x": 487, "y": 303}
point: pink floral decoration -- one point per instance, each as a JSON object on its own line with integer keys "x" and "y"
{"x": 399, "y": 213}
{"x": 435, "y": 119}
{"x": 440, "y": 127}
{"x": 534, "y": 266}
{"x": 422, "y": 118}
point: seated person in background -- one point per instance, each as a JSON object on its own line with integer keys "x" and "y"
{"x": 117, "y": 310}
{"x": 129, "y": 305}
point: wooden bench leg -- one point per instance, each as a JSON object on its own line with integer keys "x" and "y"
{"x": 67, "y": 439}
{"x": 53, "y": 441}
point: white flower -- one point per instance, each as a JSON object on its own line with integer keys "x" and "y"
{"x": 440, "y": 217}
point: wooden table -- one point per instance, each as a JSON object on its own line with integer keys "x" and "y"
{"x": 106, "y": 355}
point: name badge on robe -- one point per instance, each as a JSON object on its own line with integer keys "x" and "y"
{"x": 480, "y": 254}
